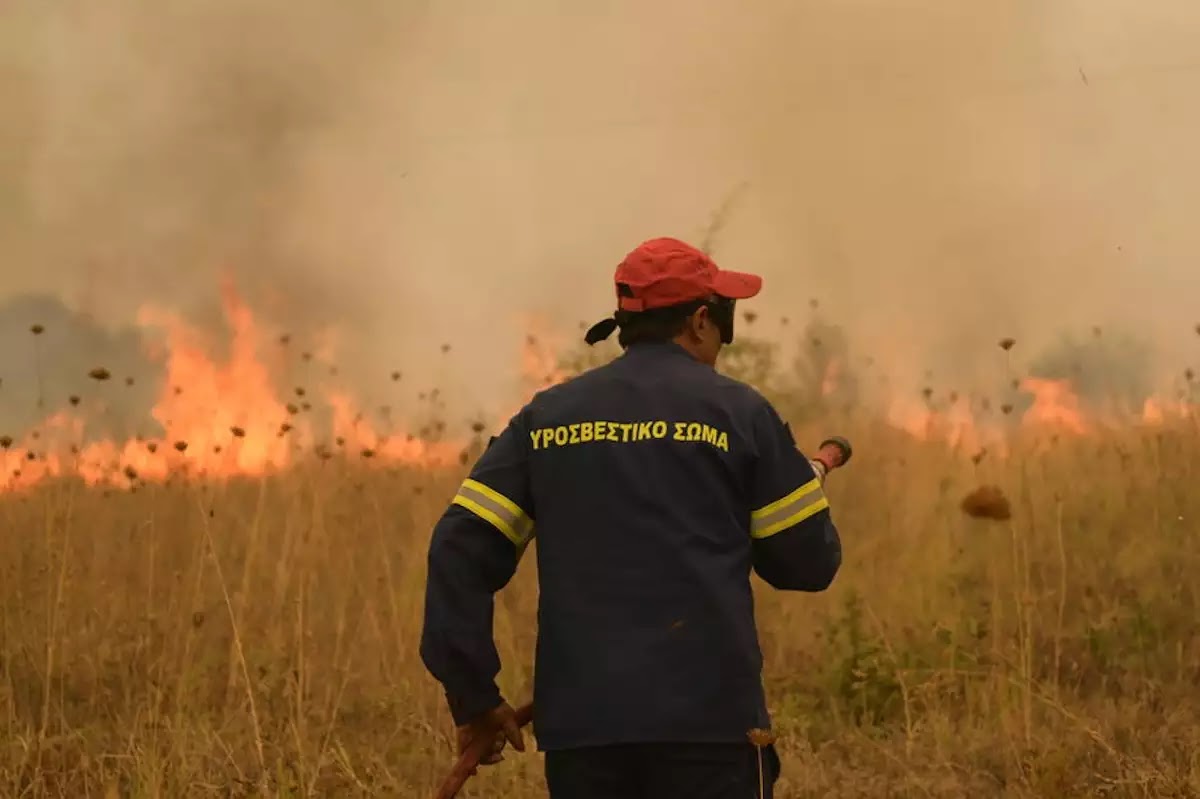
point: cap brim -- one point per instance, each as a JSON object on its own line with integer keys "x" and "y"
{"x": 737, "y": 285}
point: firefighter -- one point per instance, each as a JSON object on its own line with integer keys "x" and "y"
{"x": 657, "y": 485}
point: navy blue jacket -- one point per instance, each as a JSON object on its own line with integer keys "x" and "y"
{"x": 656, "y": 484}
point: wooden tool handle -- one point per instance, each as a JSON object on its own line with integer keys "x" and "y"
{"x": 469, "y": 759}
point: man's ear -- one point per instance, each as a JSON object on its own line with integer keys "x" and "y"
{"x": 698, "y": 321}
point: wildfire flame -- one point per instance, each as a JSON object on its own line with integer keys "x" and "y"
{"x": 1055, "y": 404}
{"x": 220, "y": 418}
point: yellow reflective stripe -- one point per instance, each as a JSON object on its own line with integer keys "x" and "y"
{"x": 495, "y": 496}
{"x": 767, "y": 510}
{"x": 496, "y": 509}
{"x": 805, "y": 501}
{"x": 794, "y": 519}
{"x": 488, "y": 515}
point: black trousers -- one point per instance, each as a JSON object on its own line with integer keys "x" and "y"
{"x": 662, "y": 771}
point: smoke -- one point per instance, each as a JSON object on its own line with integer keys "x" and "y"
{"x": 406, "y": 174}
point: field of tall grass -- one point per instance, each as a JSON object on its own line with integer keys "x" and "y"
{"x": 259, "y": 636}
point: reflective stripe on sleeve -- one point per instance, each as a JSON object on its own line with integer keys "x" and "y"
{"x": 805, "y": 501}
{"x": 496, "y": 509}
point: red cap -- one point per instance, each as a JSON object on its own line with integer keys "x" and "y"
{"x": 666, "y": 271}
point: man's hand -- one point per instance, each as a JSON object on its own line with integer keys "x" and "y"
{"x": 499, "y": 724}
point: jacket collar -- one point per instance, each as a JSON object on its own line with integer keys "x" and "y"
{"x": 663, "y": 349}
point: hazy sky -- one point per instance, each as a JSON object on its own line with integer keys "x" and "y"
{"x": 939, "y": 173}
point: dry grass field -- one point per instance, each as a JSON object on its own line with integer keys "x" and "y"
{"x": 259, "y": 636}
{"x": 381, "y": 177}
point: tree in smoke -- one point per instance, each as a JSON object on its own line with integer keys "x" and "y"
{"x": 48, "y": 371}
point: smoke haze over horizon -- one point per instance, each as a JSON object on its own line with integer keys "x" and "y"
{"x": 407, "y": 174}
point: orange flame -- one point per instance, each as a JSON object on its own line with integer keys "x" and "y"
{"x": 1055, "y": 404}
{"x": 220, "y": 419}
{"x": 223, "y": 417}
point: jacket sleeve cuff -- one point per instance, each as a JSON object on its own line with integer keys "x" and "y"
{"x": 466, "y": 707}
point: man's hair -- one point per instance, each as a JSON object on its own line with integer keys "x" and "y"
{"x": 654, "y": 326}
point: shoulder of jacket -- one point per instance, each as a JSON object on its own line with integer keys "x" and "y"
{"x": 745, "y": 395}
{"x": 566, "y": 386}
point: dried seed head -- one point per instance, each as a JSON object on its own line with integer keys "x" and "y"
{"x": 99, "y": 373}
{"x": 323, "y": 452}
{"x": 73, "y": 399}
{"x": 300, "y": 391}
{"x": 1006, "y": 408}
{"x": 1006, "y": 344}
{"x": 284, "y": 340}
{"x": 341, "y": 442}
{"x": 180, "y": 446}
{"x": 5, "y": 442}
{"x": 151, "y": 447}
{"x": 1189, "y": 374}
{"x": 987, "y": 502}
{"x": 238, "y": 432}
{"x": 292, "y": 409}
{"x": 306, "y": 356}
{"x": 927, "y": 392}
{"x": 477, "y": 427}
{"x": 395, "y": 376}
{"x": 1016, "y": 382}
{"x": 463, "y": 457}
{"x": 129, "y": 381}
{"x": 306, "y": 406}
{"x": 750, "y": 317}
{"x": 216, "y": 449}
{"x": 979, "y": 456}
{"x": 783, "y": 320}
{"x": 37, "y": 330}
{"x": 954, "y": 396}
{"x": 760, "y": 737}
{"x": 368, "y": 453}
{"x": 284, "y": 429}
{"x": 445, "y": 348}
{"x": 30, "y": 456}
{"x": 197, "y": 618}
{"x": 178, "y": 390}
{"x": 131, "y": 473}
